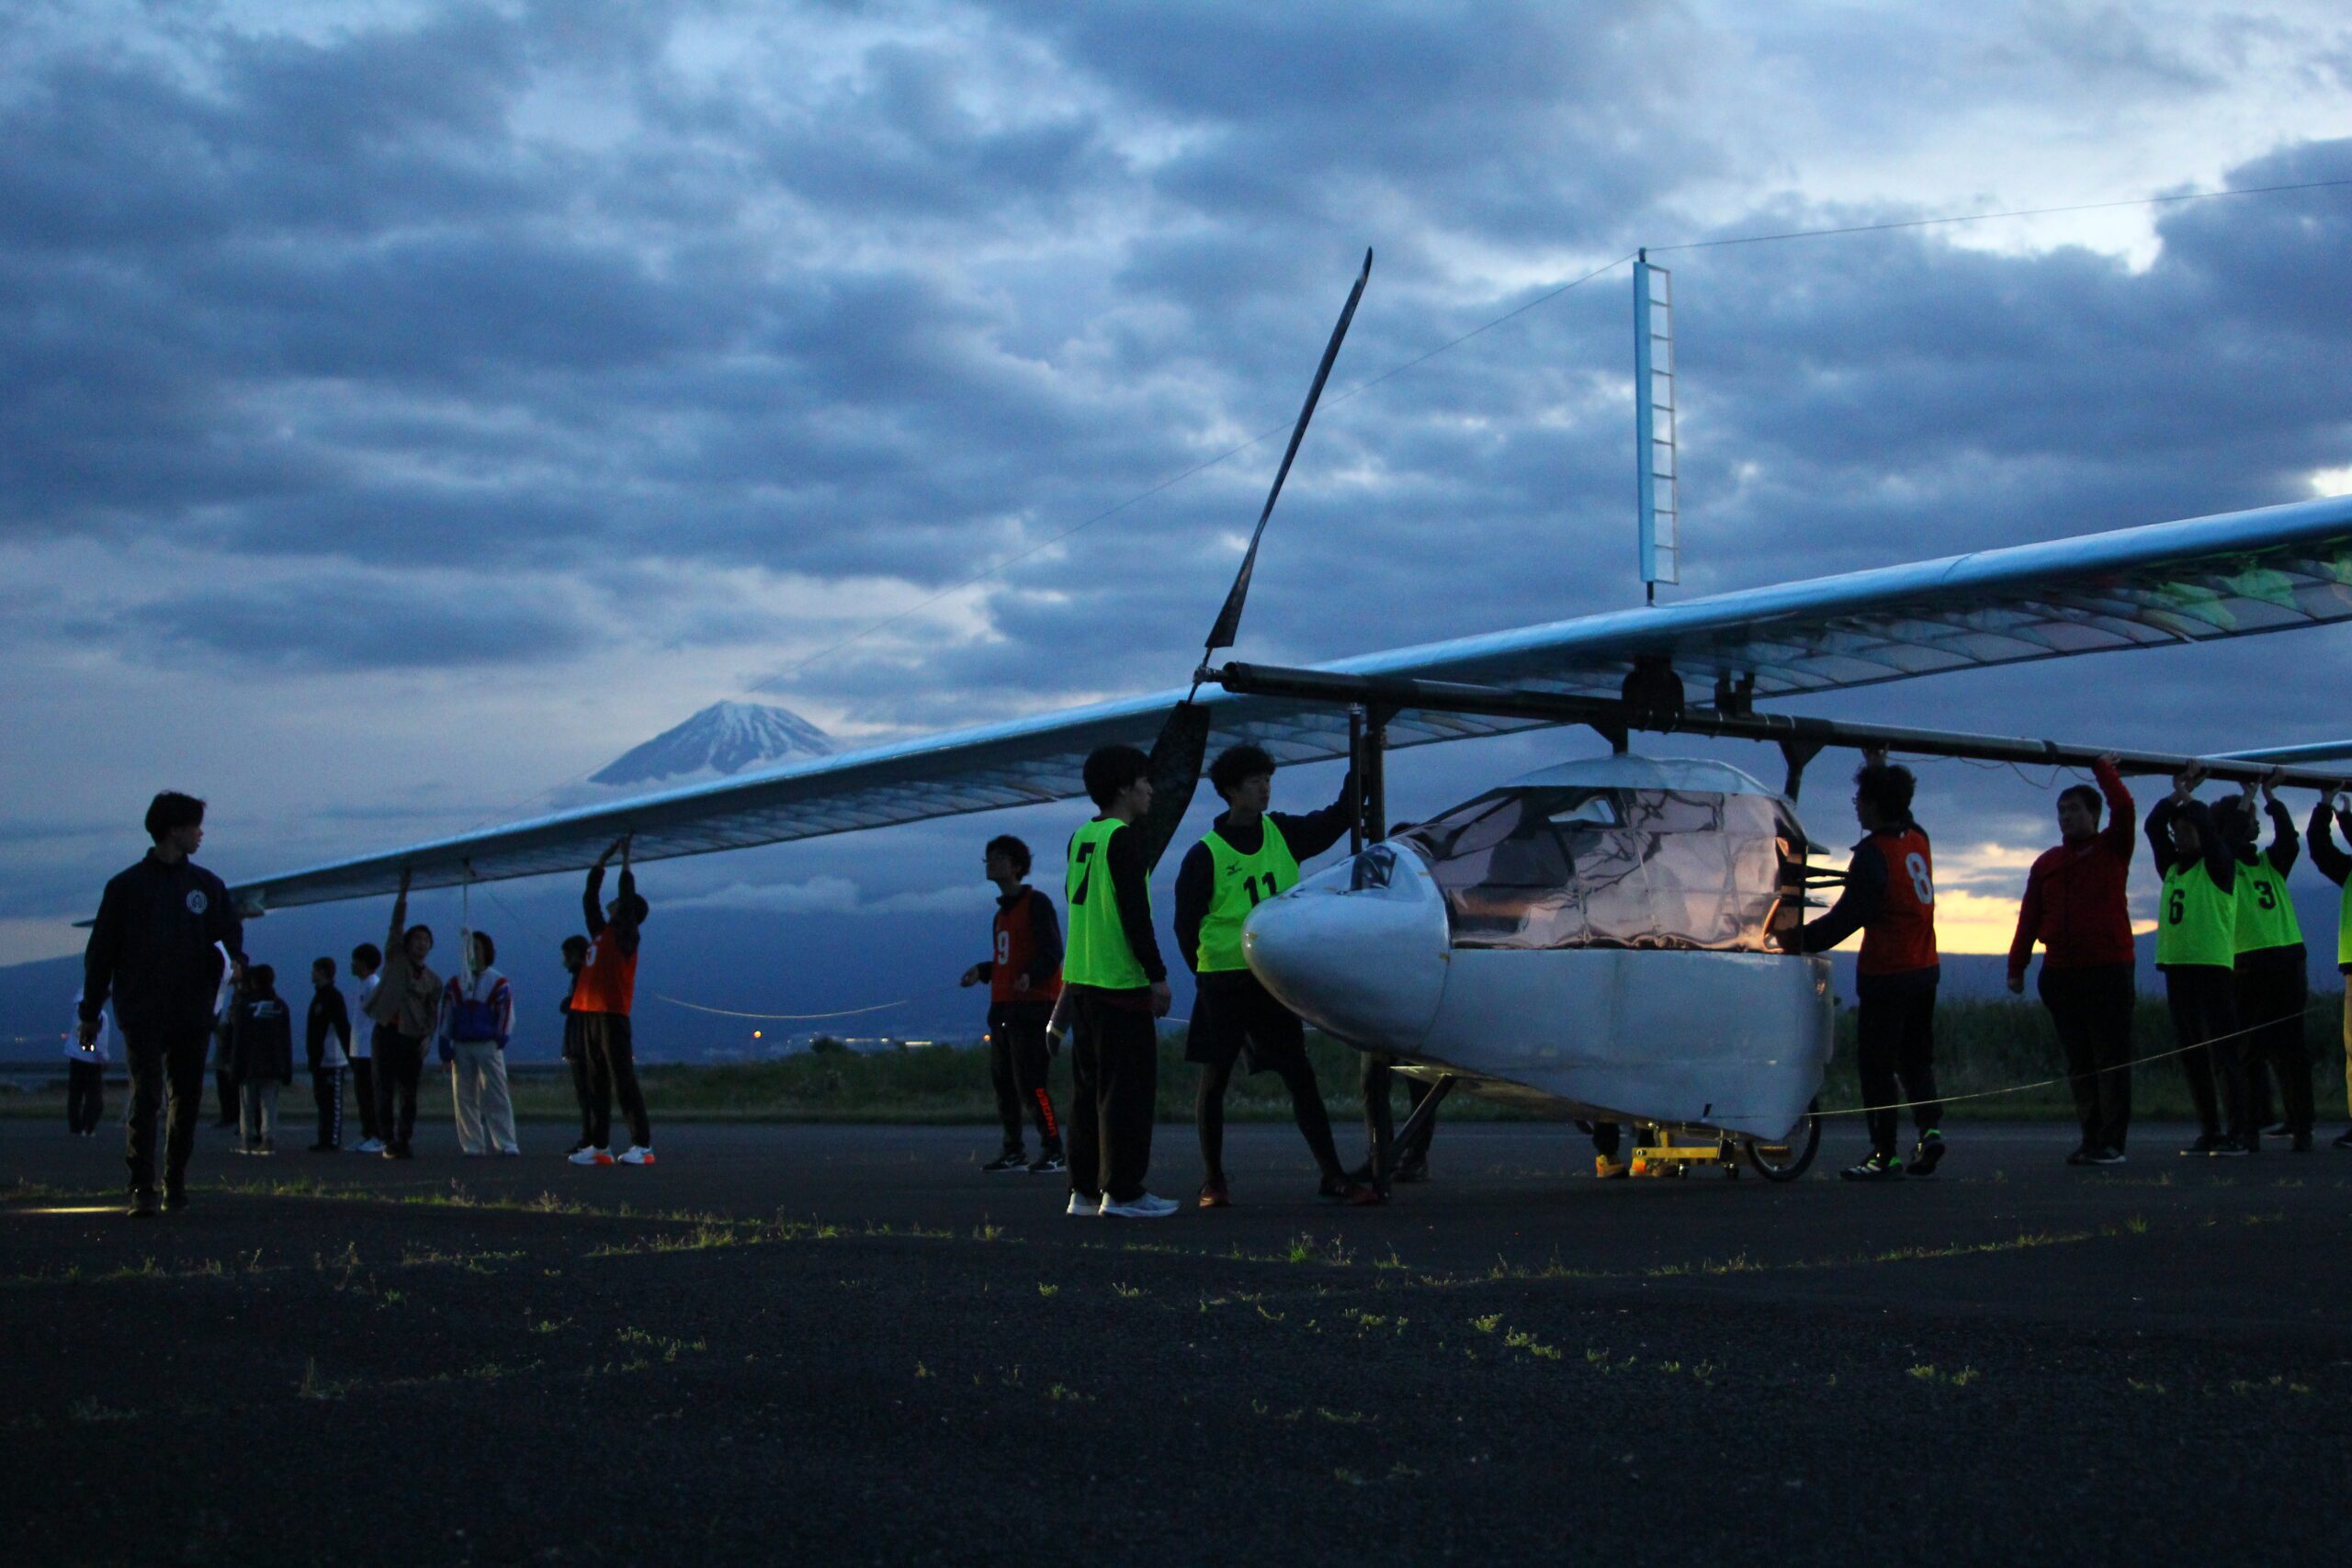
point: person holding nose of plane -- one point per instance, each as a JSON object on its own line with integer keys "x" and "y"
{"x": 1252, "y": 854}
{"x": 1890, "y": 898}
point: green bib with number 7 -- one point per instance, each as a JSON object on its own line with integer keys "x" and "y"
{"x": 1097, "y": 953}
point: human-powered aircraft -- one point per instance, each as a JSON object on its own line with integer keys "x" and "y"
{"x": 1599, "y": 936}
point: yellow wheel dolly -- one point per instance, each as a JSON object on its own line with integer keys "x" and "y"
{"x": 1673, "y": 1151}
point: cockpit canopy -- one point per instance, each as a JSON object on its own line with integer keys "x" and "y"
{"x": 1573, "y": 857}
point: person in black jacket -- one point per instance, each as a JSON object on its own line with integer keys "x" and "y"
{"x": 261, "y": 1054}
{"x": 326, "y": 1039}
{"x": 155, "y": 949}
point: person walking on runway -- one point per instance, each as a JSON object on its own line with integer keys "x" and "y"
{"x": 155, "y": 951}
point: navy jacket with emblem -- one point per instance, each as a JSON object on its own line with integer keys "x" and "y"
{"x": 152, "y": 946}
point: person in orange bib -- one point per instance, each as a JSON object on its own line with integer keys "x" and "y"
{"x": 1890, "y": 898}
{"x": 1023, "y": 974}
{"x": 601, "y": 999}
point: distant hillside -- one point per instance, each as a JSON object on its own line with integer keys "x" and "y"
{"x": 721, "y": 740}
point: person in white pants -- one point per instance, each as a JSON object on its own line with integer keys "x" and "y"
{"x": 477, "y": 1017}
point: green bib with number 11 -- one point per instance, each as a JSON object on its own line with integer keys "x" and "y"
{"x": 1097, "y": 953}
{"x": 1243, "y": 883}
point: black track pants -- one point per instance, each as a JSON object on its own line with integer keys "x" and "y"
{"x": 2204, "y": 1004}
{"x": 85, "y": 1096}
{"x": 1018, "y": 1063}
{"x": 399, "y": 1067}
{"x": 1379, "y": 1124}
{"x": 2272, "y": 995}
{"x": 363, "y": 1091}
{"x": 166, "y": 1066}
{"x": 611, "y": 1050}
{"x": 326, "y": 1093}
{"x": 1115, "y": 1097}
{"x": 2091, "y": 1009}
{"x": 1894, "y": 1051}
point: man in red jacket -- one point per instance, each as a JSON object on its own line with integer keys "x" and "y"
{"x": 2074, "y": 907}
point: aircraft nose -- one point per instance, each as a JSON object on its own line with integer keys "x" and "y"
{"x": 1359, "y": 951}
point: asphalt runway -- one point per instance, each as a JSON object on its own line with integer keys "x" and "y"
{"x": 848, "y": 1344}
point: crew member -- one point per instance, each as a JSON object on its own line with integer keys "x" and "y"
{"x": 155, "y": 949}
{"x": 326, "y": 1044}
{"x": 1250, "y": 855}
{"x": 1113, "y": 986}
{"x": 2197, "y": 920}
{"x": 1023, "y": 971}
{"x": 405, "y": 1011}
{"x": 2076, "y": 907}
{"x": 2273, "y": 987}
{"x": 2334, "y": 811}
{"x": 601, "y": 1001}
{"x": 575, "y": 1050}
{"x": 1411, "y": 1163}
{"x": 1890, "y": 898}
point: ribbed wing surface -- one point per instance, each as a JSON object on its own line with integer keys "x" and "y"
{"x": 2207, "y": 578}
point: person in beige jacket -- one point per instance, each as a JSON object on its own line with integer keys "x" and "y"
{"x": 406, "y": 1011}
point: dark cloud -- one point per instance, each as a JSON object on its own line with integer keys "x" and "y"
{"x": 340, "y": 621}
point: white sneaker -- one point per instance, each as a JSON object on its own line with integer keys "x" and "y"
{"x": 638, "y": 1153}
{"x": 369, "y": 1147}
{"x": 1082, "y": 1205}
{"x": 1143, "y": 1206}
{"x": 593, "y": 1157}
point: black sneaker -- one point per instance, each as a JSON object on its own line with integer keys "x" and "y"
{"x": 2085, "y": 1154}
{"x": 2300, "y": 1144}
{"x": 174, "y": 1197}
{"x": 143, "y": 1205}
{"x": 2106, "y": 1156}
{"x": 1878, "y": 1167}
{"x": 1412, "y": 1171}
{"x": 1350, "y": 1194}
{"x": 2280, "y": 1131}
{"x": 1012, "y": 1159}
{"x": 400, "y": 1150}
{"x": 2234, "y": 1148}
{"x": 2345, "y": 1142}
{"x": 1046, "y": 1164}
{"x": 2208, "y": 1143}
{"x": 1928, "y": 1153}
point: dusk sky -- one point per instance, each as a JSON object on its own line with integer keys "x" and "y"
{"x": 412, "y": 407}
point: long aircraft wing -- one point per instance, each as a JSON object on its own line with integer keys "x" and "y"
{"x": 2203, "y": 578}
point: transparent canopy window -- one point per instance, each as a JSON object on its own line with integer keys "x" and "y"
{"x": 1584, "y": 867}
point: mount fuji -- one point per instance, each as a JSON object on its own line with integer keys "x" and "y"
{"x": 718, "y": 742}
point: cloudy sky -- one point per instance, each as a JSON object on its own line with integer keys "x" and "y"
{"x": 410, "y": 407}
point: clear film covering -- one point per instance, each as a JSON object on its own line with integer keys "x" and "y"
{"x": 1600, "y": 867}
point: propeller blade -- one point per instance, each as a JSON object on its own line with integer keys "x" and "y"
{"x": 1228, "y": 620}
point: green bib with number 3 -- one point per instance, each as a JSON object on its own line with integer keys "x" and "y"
{"x": 1243, "y": 883}
{"x": 2266, "y": 914}
{"x": 2197, "y": 923}
{"x": 1097, "y": 953}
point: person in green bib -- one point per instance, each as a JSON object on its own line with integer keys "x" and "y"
{"x": 2273, "y": 987}
{"x": 2197, "y": 925}
{"x": 2334, "y": 813}
{"x": 1252, "y": 854}
{"x": 1114, "y": 988}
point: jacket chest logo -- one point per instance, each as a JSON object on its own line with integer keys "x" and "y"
{"x": 196, "y": 902}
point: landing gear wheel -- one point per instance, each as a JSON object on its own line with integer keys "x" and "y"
{"x": 1791, "y": 1158}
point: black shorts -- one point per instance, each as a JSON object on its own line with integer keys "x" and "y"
{"x": 1233, "y": 1013}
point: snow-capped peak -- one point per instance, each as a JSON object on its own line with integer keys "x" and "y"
{"x": 723, "y": 740}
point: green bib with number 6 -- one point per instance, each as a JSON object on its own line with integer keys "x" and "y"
{"x": 2197, "y": 923}
{"x": 1243, "y": 883}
